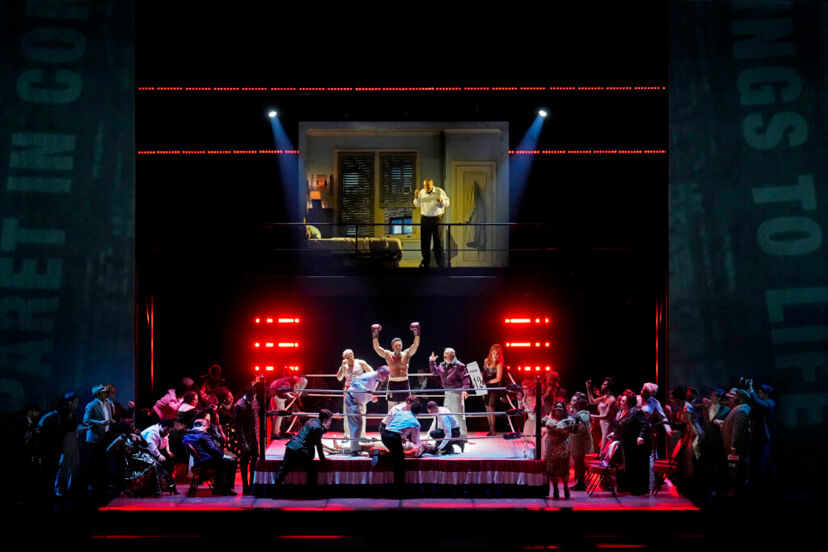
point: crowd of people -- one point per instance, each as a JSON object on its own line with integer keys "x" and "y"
{"x": 89, "y": 454}
{"x": 720, "y": 443}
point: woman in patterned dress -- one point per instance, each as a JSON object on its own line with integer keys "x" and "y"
{"x": 144, "y": 476}
{"x": 581, "y": 441}
{"x": 227, "y": 420}
{"x": 556, "y": 461}
{"x": 527, "y": 398}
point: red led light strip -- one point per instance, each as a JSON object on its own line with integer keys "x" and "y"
{"x": 270, "y": 368}
{"x": 527, "y": 344}
{"x": 511, "y": 152}
{"x": 393, "y": 88}
{"x": 530, "y": 369}
{"x": 525, "y": 320}
{"x": 589, "y": 152}
{"x": 280, "y": 320}
{"x": 282, "y": 344}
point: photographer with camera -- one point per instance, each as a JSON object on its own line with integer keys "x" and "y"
{"x": 761, "y": 409}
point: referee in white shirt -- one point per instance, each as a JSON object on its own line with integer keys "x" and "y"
{"x": 432, "y": 202}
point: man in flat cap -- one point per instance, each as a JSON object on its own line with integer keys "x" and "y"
{"x": 736, "y": 438}
{"x": 98, "y": 418}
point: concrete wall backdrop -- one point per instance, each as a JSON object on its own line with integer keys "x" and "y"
{"x": 748, "y": 204}
{"x": 66, "y": 200}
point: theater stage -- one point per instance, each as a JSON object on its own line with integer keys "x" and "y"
{"x": 581, "y": 523}
{"x": 489, "y": 468}
{"x": 539, "y": 522}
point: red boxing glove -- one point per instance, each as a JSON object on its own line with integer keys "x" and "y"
{"x": 415, "y": 328}
{"x": 375, "y": 330}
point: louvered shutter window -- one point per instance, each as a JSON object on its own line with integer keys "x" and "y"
{"x": 356, "y": 192}
{"x": 397, "y": 179}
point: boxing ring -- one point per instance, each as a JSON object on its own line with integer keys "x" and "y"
{"x": 499, "y": 466}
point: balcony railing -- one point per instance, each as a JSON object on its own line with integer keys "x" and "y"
{"x": 496, "y": 244}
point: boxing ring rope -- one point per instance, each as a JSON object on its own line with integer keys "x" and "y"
{"x": 509, "y": 472}
{"x": 339, "y": 392}
{"x": 335, "y": 392}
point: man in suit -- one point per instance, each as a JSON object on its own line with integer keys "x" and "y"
{"x": 120, "y": 411}
{"x": 245, "y": 420}
{"x": 98, "y": 418}
{"x": 714, "y": 412}
{"x": 453, "y": 375}
{"x": 736, "y": 439}
{"x": 212, "y": 457}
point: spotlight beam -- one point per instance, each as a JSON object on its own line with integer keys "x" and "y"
{"x": 288, "y": 170}
{"x": 521, "y": 166}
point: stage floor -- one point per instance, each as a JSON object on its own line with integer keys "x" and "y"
{"x": 512, "y": 452}
{"x": 478, "y": 448}
{"x": 600, "y": 501}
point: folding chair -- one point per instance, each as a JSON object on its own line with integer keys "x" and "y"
{"x": 665, "y": 469}
{"x": 603, "y": 470}
{"x": 200, "y": 474}
{"x": 593, "y": 457}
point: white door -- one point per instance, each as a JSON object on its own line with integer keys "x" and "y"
{"x": 474, "y": 191}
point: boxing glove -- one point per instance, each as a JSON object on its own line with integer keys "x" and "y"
{"x": 415, "y": 328}
{"x": 375, "y": 330}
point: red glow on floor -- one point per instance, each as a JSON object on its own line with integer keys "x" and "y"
{"x": 184, "y": 506}
{"x": 312, "y": 537}
{"x": 438, "y": 505}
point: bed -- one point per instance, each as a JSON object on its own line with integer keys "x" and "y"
{"x": 367, "y": 251}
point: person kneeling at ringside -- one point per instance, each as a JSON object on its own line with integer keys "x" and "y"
{"x": 300, "y": 450}
{"x": 446, "y": 425}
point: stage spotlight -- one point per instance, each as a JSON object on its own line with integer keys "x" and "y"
{"x": 542, "y": 112}
{"x": 272, "y": 113}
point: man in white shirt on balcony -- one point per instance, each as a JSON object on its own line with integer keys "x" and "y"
{"x": 432, "y": 202}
